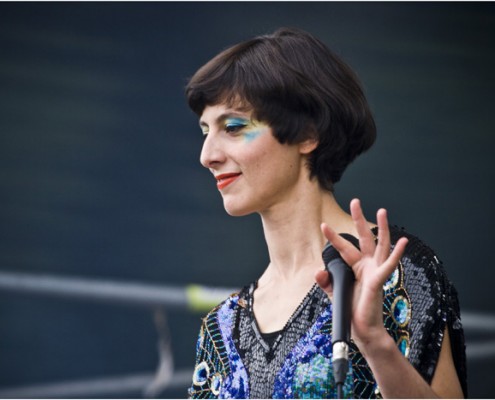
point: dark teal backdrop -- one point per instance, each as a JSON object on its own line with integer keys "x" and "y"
{"x": 99, "y": 171}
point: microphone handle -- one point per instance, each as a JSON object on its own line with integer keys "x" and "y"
{"x": 343, "y": 283}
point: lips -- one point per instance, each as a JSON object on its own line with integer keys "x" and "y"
{"x": 223, "y": 180}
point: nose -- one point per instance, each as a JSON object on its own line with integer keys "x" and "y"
{"x": 212, "y": 153}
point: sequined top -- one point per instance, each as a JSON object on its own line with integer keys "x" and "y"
{"x": 234, "y": 360}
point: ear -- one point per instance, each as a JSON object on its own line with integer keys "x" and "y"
{"x": 308, "y": 145}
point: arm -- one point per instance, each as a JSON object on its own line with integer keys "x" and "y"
{"x": 372, "y": 265}
{"x": 445, "y": 380}
{"x": 397, "y": 378}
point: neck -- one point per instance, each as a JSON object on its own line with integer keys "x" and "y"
{"x": 293, "y": 235}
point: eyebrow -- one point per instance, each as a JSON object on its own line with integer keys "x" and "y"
{"x": 224, "y": 116}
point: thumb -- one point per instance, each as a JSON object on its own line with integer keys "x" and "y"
{"x": 324, "y": 280}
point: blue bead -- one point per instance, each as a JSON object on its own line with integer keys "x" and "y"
{"x": 216, "y": 384}
{"x": 201, "y": 374}
{"x": 404, "y": 346}
{"x": 401, "y": 310}
{"x": 392, "y": 280}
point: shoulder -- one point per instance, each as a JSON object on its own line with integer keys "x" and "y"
{"x": 424, "y": 272}
{"x": 416, "y": 248}
{"x": 218, "y": 322}
{"x": 227, "y": 306}
{"x": 420, "y": 261}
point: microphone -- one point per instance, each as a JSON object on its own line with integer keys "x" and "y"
{"x": 343, "y": 283}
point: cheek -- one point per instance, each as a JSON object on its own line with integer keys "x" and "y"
{"x": 261, "y": 160}
{"x": 255, "y": 151}
{"x": 263, "y": 156}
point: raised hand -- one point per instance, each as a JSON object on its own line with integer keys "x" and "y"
{"x": 372, "y": 265}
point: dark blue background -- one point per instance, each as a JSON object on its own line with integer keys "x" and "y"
{"x": 99, "y": 171}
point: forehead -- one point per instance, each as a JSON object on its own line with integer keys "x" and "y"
{"x": 219, "y": 112}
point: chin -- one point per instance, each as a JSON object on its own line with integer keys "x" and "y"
{"x": 236, "y": 210}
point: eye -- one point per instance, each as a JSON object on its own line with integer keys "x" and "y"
{"x": 234, "y": 127}
{"x": 204, "y": 133}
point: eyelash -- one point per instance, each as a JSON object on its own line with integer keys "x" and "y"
{"x": 233, "y": 128}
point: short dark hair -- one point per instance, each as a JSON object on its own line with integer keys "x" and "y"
{"x": 297, "y": 85}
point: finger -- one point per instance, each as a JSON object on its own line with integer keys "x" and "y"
{"x": 366, "y": 240}
{"x": 349, "y": 253}
{"x": 324, "y": 280}
{"x": 393, "y": 260}
{"x": 383, "y": 247}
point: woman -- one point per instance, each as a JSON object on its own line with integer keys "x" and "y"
{"x": 282, "y": 117}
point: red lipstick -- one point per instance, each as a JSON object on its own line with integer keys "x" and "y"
{"x": 224, "y": 180}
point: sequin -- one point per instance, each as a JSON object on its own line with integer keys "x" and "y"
{"x": 401, "y": 312}
{"x": 201, "y": 374}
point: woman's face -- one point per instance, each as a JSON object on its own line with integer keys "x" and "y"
{"x": 253, "y": 171}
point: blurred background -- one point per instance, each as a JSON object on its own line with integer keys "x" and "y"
{"x": 100, "y": 182}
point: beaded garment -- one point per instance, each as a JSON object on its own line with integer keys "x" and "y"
{"x": 234, "y": 360}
